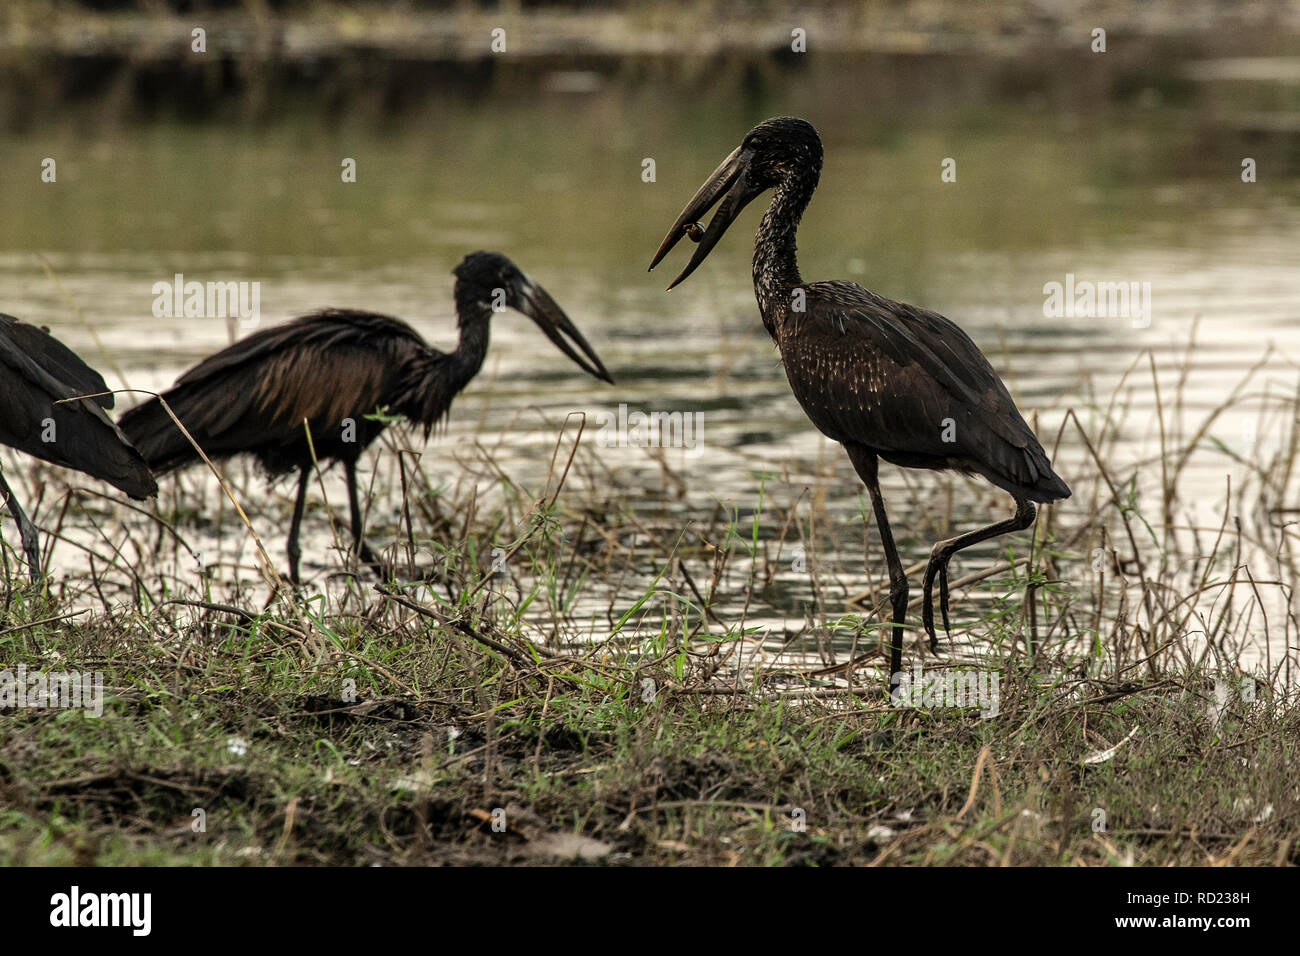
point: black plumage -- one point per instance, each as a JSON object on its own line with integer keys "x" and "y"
{"x": 37, "y": 372}
{"x": 885, "y": 379}
{"x": 330, "y": 370}
{"x": 869, "y": 370}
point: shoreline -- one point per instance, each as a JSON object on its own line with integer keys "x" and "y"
{"x": 654, "y": 30}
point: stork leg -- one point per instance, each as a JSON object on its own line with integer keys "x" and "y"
{"x": 359, "y": 546}
{"x": 942, "y": 553}
{"x": 866, "y": 464}
{"x": 291, "y": 547}
{"x": 26, "y": 531}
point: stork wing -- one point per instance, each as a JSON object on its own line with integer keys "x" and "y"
{"x": 322, "y": 368}
{"x": 909, "y": 384}
{"x": 37, "y": 372}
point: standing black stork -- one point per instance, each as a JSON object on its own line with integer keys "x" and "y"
{"x": 331, "y": 370}
{"x": 37, "y": 372}
{"x": 884, "y": 379}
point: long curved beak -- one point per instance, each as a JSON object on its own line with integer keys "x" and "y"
{"x": 536, "y": 303}
{"x": 727, "y": 184}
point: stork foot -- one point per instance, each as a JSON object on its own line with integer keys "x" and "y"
{"x": 937, "y": 568}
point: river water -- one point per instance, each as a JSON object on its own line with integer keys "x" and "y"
{"x": 1095, "y": 174}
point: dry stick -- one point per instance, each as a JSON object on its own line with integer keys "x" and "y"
{"x": 1128, "y": 528}
{"x": 58, "y": 526}
{"x": 320, "y": 481}
{"x": 152, "y": 515}
{"x": 1233, "y": 397}
{"x": 1166, "y": 493}
{"x": 365, "y": 520}
{"x": 793, "y": 693}
{"x": 706, "y": 604}
{"x": 866, "y": 598}
{"x": 568, "y": 571}
{"x": 135, "y": 575}
{"x": 377, "y": 666}
{"x": 4, "y": 560}
{"x": 1214, "y": 585}
{"x": 1289, "y": 459}
{"x": 819, "y": 605}
{"x": 221, "y": 478}
{"x": 83, "y": 547}
{"x": 1114, "y": 397}
{"x": 1100, "y": 607}
{"x": 248, "y": 617}
{"x": 1168, "y": 482}
{"x": 1205, "y": 584}
{"x": 1185, "y": 373}
{"x": 722, "y": 654}
{"x": 1254, "y": 586}
{"x": 267, "y": 568}
{"x": 46, "y": 620}
{"x": 510, "y": 653}
{"x": 1232, "y": 588}
{"x": 582, "y": 424}
{"x": 541, "y": 725}
{"x": 406, "y": 515}
{"x": 983, "y": 758}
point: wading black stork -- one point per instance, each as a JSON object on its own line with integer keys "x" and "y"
{"x": 884, "y": 379}
{"x": 330, "y": 370}
{"x": 37, "y": 371}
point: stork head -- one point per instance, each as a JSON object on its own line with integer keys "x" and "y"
{"x": 776, "y": 151}
{"x": 491, "y": 280}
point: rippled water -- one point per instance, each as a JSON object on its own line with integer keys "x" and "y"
{"x": 1142, "y": 189}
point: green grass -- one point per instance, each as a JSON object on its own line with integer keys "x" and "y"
{"x": 581, "y": 746}
{"x": 614, "y": 697}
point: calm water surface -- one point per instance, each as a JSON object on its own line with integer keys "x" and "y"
{"x": 1147, "y": 189}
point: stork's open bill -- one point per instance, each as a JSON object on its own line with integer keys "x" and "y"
{"x": 884, "y": 379}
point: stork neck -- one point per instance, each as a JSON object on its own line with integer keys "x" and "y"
{"x": 776, "y": 265}
{"x": 475, "y": 320}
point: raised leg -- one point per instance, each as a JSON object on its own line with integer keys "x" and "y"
{"x": 865, "y": 463}
{"x": 295, "y": 552}
{"x": 26, "y": 531}
{"x": 359, "y": 546}
{"x": 942, "y": 553}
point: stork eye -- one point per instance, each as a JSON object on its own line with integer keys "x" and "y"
{"x": 694, "y": 231}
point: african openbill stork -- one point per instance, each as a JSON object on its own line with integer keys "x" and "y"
{"x": 37, "y": 372}
{"x": 330, "y": 370}
{"x": 884, "y": 379}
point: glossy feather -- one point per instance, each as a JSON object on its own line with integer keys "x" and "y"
{"x": 36, "y": 372}
{"x": 899, "y": 380}
{"x": 331, "y": 369}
